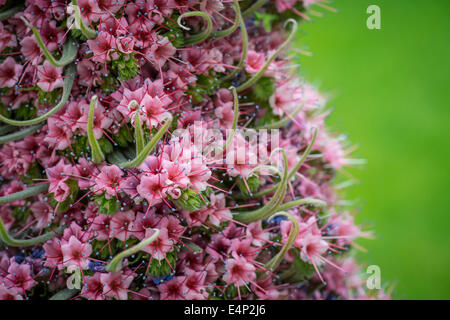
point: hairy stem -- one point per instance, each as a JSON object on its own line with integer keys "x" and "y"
{"x": 138, "y": 133}
{"x": 96, "y": 151}
{"x": 29, "y": 192}
{"x": 244, "y": 36}
{"x": 85, "y": 30}
{"x": 233, "y": 28}
{"x": 68, "y": 83}
{"x": 20, "y": 134}
{"x": 116, "y": 263}
{"x": 70, "y": 48}
{"x": 296, "y": 168}
{"x": 272, "y": 205}
{"x": 253, "y": 8}
{"x": 275, "y": 261}
{"x": 136, "y": 162}
{"x": 12, "y": 242}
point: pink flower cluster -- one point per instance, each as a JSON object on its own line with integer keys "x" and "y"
{"x": 104, "y": 178}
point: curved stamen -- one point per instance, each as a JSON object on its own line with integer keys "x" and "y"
{"x": 261, "y": 71}
{"x": 68, "y": 83}
{"x": 200, "y": 37}
{"x": 70, "y": 48}
{"x": 96, "y": 151}
{"x": 116, "y": 263}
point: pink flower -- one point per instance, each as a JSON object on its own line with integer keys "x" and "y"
{"x": 9, "y": 73}
{"x": 31, "y": 50}
{"x": 20, "y": 276}
{"x": 102, "y": 46}
{"x": 90, "y": 12}
{"x": 50, "y": 77}
{"x": 9, "y": 293}
{"x": 53, "y": 253}
{"x": 93, "y": 287}
{"x": 153, "y": 187}
{"x": 254, "y": 62}
{"x": 125, "y": 44}
{"x": 58, "y": 135}
{"x": 173, "y": 289}
{"x": 122, "y": 225}
{"x": 239, "y": 271}
{"x": 76, "y": 253}
{"x": 88, "y": 73}
{"x": 160, "y": 246}
{"x": 116, "y": 284}
{"x": 161, "y": 50}
{"x": 51, "y": 35}
{"x": 108, "y": 180}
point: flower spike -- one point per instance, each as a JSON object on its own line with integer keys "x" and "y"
{"x": 97, "y": 153}
{"x": 116, "y": 263}
{"x": 70, "y": 48}
{"x": 136, "y": 162}
{"x": 20, "y": 134}
{"x": 10, "y": 241}
{"x": 237, "y": 21}
{"x": 260, "y": 73}
{"x": 202, "y": 36}
{"x": 275, "y": 261}
{"x": 68, "y": 83}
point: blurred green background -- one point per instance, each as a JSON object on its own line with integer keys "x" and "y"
{"x": 389, "y": 90}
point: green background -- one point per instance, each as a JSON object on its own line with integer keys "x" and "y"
{"x": 389, "y": 90}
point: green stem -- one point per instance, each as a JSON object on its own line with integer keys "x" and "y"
{"x": 251, "y": 10}
{"x": 272, "y": 205}
{"x": 260, "y": 73}
{"x": 7, "y": 128}
{"x": 136, "y": 162}
{"x": 20, "y": 134}
{"x": 29, "y": 192}
{"x": 10, "y": 12}
{"x": 68, "y": 82}
{"x": 70, "y": 48}
{"x": 85, "y": 30}
{"x": 64, "y": 294}
{"x": 202, "y": 36}
{"x": 12, "y": 242}
{"x": 293, "y": 234}
{"x": 240, "y": 65}
{"x": 96, "y": 151}
{"x": 138, "y": 133}
{"x": 237, "y": 20}
{"x": 116, "y": 263}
